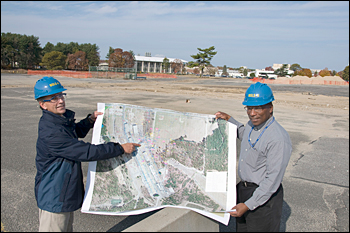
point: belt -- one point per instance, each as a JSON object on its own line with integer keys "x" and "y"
{"x": 246, "y": 183}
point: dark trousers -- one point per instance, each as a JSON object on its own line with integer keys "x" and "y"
{"x": 266, "y": 217}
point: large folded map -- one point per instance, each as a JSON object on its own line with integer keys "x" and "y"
{"x": 186, "y": 160}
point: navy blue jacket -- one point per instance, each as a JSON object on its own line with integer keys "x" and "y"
{"x": 59, "y": 183}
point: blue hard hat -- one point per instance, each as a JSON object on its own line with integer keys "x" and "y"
{"x": 258, "y": 94}
{"x": 47, "y": 86}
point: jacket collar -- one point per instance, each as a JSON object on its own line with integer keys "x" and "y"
{"x": 68, "y": 117}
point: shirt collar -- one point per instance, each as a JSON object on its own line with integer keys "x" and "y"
{"x": 258, "y": 127}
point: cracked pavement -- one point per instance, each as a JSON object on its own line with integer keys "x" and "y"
{"x": 316, "y": 182}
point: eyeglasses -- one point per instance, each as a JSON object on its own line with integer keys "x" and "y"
{"x": 55, "y": 98}
{"x": 257, "y": 109}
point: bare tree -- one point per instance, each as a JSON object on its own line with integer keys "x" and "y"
{"x": 176, "y": 65}
{"x": 77, "y": 61}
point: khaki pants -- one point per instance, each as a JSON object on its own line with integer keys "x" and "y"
{"x": 62, "y": 222}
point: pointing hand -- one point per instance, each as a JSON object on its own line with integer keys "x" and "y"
{"x": 130, "y": 147}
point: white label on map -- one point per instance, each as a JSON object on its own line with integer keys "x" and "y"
{"x": 216, "y": 182}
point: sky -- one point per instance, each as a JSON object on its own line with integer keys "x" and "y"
{"x": 256, "y": 35}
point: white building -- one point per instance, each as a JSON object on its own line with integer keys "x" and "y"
{"x": 153, "y": 64}
{"x": 265, "y": 73}
{"x": 231, "y": 73}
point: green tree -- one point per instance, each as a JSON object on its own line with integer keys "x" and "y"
{"x": 132, "y": 54}
{"x": 295, "y": 67}
{"x": 245, "y": 72}
{"x": 30, "y": 51}
{"x": 203, "y": 58}
{"x": 110, "y": 51}
{"x": 224, "y": 71}
{"x": 165, "y": 65}
{"x": 54, "y": 60}
{"x": 62, "y": 47}
{"x": 23, "y": 50}
{"x": 282, "y": 72}
{"x": 49, "y": 47}
{"x": 92, "y": 53}
{"x": 345, "y": 74}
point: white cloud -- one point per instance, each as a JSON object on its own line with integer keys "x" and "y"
{"x": 177, "y": 29}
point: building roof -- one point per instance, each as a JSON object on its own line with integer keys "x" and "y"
{"x": 156, "y": 59}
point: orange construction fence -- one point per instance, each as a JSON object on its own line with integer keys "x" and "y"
{"x": 320, "y": 82}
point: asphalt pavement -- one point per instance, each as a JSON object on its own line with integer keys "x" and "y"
{"x": 316, "y": 196}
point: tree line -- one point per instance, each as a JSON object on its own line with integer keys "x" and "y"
{"x": 25, "y": 52}
{"x": 22, "y": 51}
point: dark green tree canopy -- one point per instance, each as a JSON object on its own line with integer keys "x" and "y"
{"x": 203, "y": 58}
{"x": 282, "y": 72}
{"x": 345, "y": 74}
{"x": 20, "y": 51}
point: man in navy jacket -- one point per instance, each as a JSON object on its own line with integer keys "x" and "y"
{"x": 59, "y": 188}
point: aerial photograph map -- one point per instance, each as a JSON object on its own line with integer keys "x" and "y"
{"x": 186, "y": 160}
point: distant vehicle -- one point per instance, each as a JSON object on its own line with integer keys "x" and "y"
{"x": 224, "y": 76}
{"x": 272, "y": 78}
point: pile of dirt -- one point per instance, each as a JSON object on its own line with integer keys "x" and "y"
{"x": 326, "y": 78}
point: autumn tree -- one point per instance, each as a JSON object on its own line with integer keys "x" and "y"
{"x": 203, "y": 58}
{"x": 54, "y": 60}
{"x": 121, "y": 59}
{"x": 269, "y": 68}
{"x": 196, "y": 71}
{"x": 176, "y": 65}
{"x": 324, "y": 72}
{"x": 303, "y": 72}
{"x": 211, "y": 70}
{"x": 77, "y": 61}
